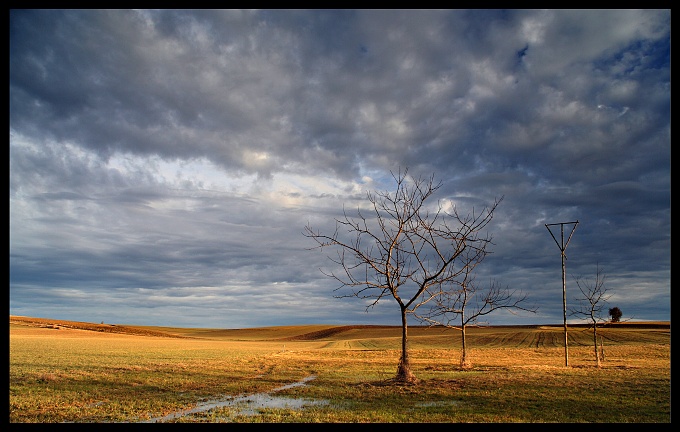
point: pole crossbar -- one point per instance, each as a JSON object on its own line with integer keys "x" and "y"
{"x": 563, "y": 246}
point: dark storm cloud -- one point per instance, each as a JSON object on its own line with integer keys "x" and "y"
{"x": 168, "y": 160}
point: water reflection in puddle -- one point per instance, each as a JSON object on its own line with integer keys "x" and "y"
{"x": 249, "y": 404}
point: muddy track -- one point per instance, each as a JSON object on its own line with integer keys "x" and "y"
{"x": 246, "y": 404}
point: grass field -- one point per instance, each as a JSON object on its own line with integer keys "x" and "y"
{"x": 85, "y": 372}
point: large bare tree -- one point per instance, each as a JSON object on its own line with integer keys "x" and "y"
{"x": 399, "y": 248}
{"x": 462, "y": 303}
{"x": 591, "y": 305}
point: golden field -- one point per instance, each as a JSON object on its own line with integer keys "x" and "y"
{"x": 64, "y": 371}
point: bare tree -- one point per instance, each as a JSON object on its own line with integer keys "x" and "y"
{"x": 592, "y": 304}
{"x": 465, "y": 302}
{"x": 402, "y": 249}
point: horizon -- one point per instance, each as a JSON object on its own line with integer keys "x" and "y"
{"x": 560, "y": 325}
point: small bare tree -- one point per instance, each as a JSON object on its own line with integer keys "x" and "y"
{"x": 402, "y": 249}
{"x": 592, "y": 304}
{"x": 465, "y": 302}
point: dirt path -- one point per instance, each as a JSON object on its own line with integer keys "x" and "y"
{"x": 247, "y": 404}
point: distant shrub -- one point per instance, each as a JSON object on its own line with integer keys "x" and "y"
{"x": 616, "y": 314}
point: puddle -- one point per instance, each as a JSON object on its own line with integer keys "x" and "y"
{"x": 248, "y": 404}
{"x": 296, "y": 384}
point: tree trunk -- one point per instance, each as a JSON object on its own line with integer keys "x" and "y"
{"x": 404, "y": 373}
{"x": 597, "y": 355}
{"x": 464, "y": 362}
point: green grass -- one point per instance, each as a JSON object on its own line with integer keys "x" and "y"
{"x": 518, "y": 374}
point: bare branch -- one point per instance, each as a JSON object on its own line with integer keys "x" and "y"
{"x": 591, "y": 305}
{"x": 403, "y": 248}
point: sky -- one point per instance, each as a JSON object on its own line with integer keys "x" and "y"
{"x": 164, "y": 163}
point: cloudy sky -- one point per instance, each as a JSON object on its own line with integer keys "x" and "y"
{"x": 164, "y": 164}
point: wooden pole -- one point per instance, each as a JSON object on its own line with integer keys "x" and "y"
{"x": 563, "y": 247}
{"x": 564, "y": 299}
